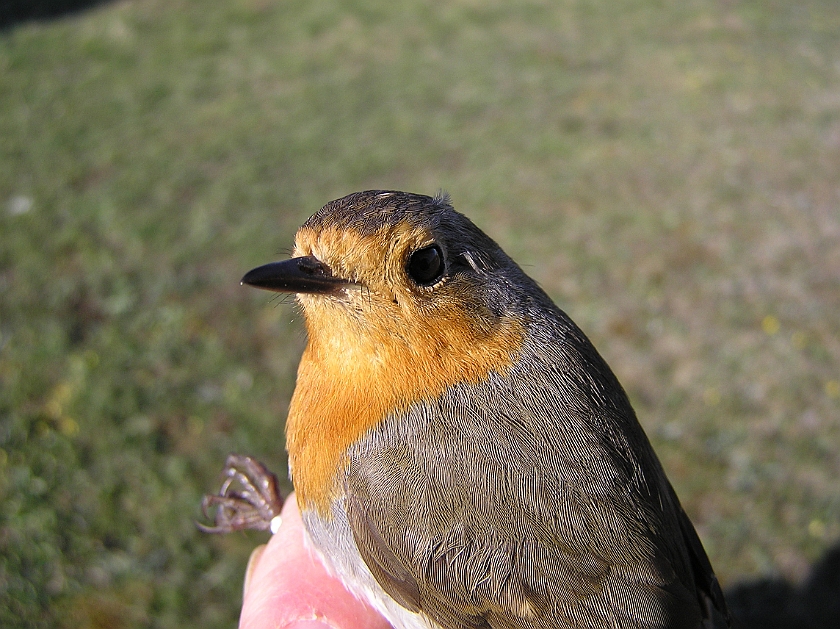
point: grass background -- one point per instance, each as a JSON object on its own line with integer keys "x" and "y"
{"x": 668, "y": 170}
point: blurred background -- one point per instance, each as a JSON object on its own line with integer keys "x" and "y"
{"x": 669, "y": 171}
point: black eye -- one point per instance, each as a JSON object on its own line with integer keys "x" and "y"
{"x": 425, "y": 266}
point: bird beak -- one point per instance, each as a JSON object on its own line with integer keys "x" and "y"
{"x": 304, "y": 274}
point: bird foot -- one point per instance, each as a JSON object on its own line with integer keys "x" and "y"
{"x": 248, "y": 499}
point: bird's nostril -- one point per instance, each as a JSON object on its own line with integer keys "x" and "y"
{"x": 311, "y": 266}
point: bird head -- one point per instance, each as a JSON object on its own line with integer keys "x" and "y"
{"x": 388, "y": 264}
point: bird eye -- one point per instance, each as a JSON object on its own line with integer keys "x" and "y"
{"x": 425, "y": 266}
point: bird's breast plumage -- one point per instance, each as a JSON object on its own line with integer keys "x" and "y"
{"x": 349, "y": 382}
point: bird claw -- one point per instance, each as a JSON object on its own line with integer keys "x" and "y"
{"x": 248, "y": 499}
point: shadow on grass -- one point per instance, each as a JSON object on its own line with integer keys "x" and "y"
{"x": 776, "y": 604}
{"x": 14, "y": 12}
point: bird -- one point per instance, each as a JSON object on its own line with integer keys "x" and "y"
{"x": 462, "y": 456}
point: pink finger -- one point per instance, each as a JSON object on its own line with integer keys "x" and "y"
{"x": 288, "y": 588}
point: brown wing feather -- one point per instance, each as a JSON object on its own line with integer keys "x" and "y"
{"x": 385, "y": 566}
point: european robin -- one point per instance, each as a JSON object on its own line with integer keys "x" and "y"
{"x": 462, "y": 456}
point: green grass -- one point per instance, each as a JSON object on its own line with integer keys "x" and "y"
{"x": 667, "y": 170}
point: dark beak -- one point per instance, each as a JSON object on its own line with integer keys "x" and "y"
{"x": 305, "y": 274}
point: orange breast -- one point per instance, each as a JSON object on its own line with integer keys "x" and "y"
{"x": 351, "y": 376}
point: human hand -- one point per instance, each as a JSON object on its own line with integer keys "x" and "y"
{"x": 286, "y": 587}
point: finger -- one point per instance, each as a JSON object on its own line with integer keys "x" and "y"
{"x": 287, "y": 587}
